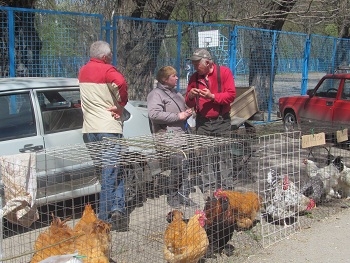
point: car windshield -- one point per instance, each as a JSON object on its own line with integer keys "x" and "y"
{"x": 328, "y": 88}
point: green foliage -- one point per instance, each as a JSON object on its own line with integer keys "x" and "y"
{"x": 331, "y": 30}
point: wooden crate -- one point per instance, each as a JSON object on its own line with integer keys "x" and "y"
{"x": 245, "y": 104}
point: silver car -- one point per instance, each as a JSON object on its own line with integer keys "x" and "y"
{"x": 43, "y": 113}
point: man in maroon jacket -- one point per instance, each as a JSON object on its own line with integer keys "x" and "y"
{"x": 211, "y": 90}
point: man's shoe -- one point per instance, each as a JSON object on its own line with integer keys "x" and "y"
{"x": 119, "y": 221}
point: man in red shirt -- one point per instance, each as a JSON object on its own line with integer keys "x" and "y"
{"x": 210, "y": 91}
{"x": 103, "y": 91}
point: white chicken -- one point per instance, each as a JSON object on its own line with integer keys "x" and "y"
{"x": 344, "y": 182}
{"x": 286, "y": 202}
{"x": 329, "y": 175}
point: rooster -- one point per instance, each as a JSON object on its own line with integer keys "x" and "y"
{"x": 219, "y": 226}
{"x": 245, "y": 206}
{"x": 286, "y": 202}
{"x": 185, "y": 242}
{"x": 329, "y": 175}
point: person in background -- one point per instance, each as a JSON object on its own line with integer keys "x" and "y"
{"x": 168, "y": 114}
{"x": 104, "y": 93}
{"x": 210, "y": 91}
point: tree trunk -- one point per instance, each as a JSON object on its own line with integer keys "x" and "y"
{"x": 138, "y": 46}
{"x": 139, "y": 43}
{"x": 261, "y": 75}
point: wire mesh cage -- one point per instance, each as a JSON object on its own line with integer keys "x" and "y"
{"x": 69, "y": 178}
{"x": 172, "y": 185}
{"x": 279, "y": 184}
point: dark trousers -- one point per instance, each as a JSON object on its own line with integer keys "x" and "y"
{"x": 178, "y": 179}
{"x": 216, "y": 162}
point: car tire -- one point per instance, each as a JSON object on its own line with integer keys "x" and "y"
{"x": 290, "y": 121}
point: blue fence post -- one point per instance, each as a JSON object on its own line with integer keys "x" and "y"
{"x": 108, "y": 31}
{"x": 114, "y": 28}
{"x": 11, "y": 48}
{"x": 107, "y": 28}
{"x": 334, "y": 54}
{"x": 233, "y": 50}
{"x": 273, "y": 50}
{"x": 305, "y": 73}
{"x": 178, "y": 53}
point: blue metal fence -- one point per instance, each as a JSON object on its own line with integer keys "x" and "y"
{"x": 44, "y": 42}
{"x": 51, "y": 43}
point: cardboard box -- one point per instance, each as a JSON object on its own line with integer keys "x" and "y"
{"x": 246, "y": 104}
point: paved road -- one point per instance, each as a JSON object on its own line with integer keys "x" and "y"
{"x": 325, "y": 241}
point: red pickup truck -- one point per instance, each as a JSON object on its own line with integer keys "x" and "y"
{"x": 327, "y": 105}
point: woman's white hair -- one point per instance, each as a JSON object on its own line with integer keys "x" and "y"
{"x": 100, "y": 48}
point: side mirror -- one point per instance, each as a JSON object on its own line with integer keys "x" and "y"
{"x": 310, "y": 92}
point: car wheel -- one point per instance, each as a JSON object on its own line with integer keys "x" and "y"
{"x": 290, "y": 121}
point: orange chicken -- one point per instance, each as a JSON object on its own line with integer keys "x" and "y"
{"x": 245, "y": 206}
{"x": 54, "y": 240}
{"x": 90, "y": 238}
{"x": 185, "y": 243}
{"x": 93, "y": 237}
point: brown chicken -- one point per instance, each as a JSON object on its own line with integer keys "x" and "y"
{"x": 174, "y": 231}
{"x": 185, "y": 242}
{"x": 87, "y": 219}
{"x": 54, "y": 240}
{"x": 245, "y": 206}
{"x": 90, "y": 238}
{"x": 93, "y": 237}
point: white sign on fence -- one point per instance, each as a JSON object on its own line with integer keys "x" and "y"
{"x": 209, "y": 38}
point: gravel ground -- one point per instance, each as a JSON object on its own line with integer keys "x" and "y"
{"x": 326, "y": 240}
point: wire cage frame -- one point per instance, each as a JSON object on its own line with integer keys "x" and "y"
{"x": 258, "y": 163}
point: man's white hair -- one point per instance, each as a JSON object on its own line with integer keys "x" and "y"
{"x": 100, "y": 48}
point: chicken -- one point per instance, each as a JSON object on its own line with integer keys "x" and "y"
{"x": 90, "y": 238}
{"x": 54, "y": 241}
{"x": 94, "y": 242}
{"x": 286, "y": 202}
{"x": 185, "y": 244}
{"x": 314, "y": 188}
{"x": 245, "y": 206}
{"x": 93, "y": 237}
{"x": 329, "y": 175}
{"x": 174, "y": 231}
{"x": 344, "y": 182}
{"x": 219, "y": 226}
{"x": 86, "y": 220}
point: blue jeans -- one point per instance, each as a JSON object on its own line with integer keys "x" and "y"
{"x": 112, "y": 195}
